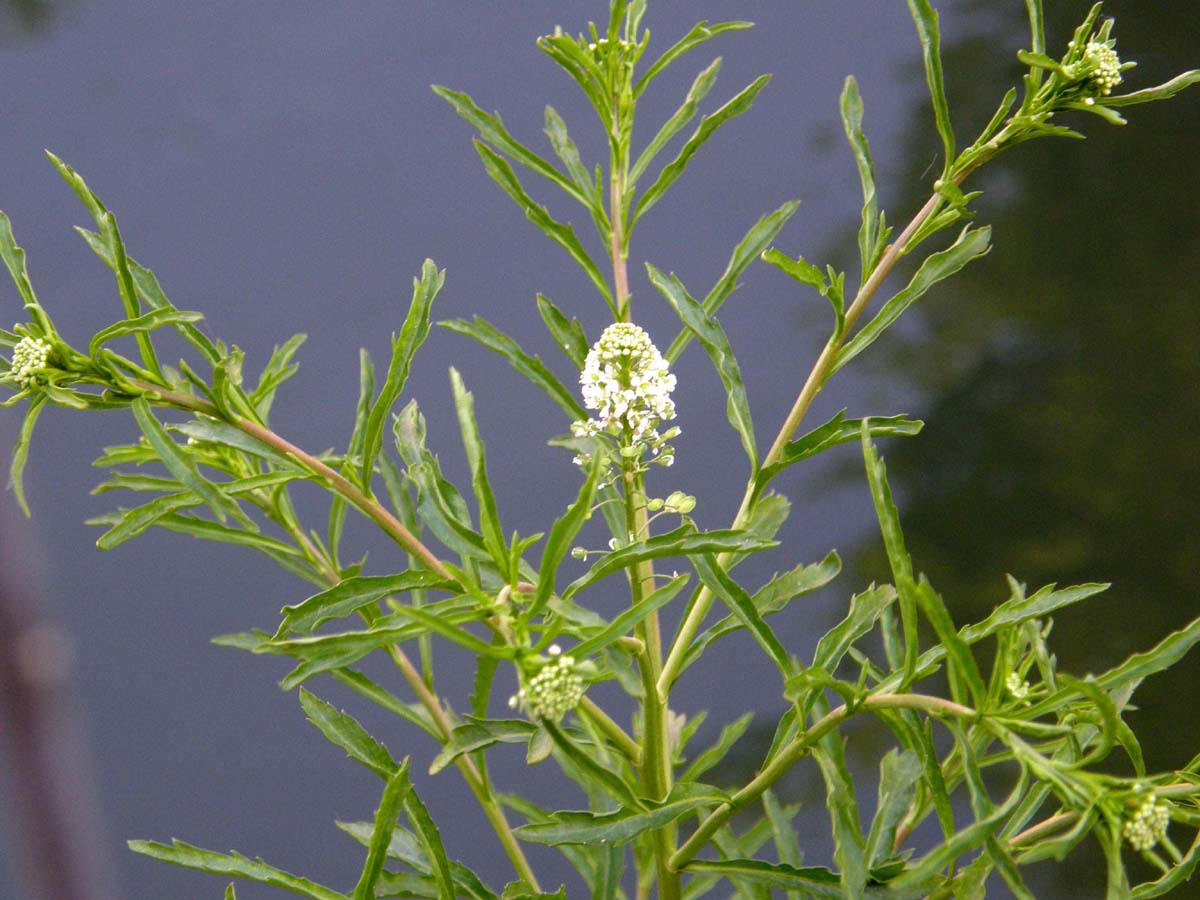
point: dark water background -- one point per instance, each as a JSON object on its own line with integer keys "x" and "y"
{"x": 283, "y": 167}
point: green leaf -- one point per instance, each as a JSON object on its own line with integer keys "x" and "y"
{"x": 562, "y": 534}
{"x": 629, "y": 619}
{"x": 1180, "y": 873}
{"x": 493, "y": 132}
{"x": 180, "y": 465}
{"x": 14, "y": 260}
{"x": 965, "y": 681}
{"x": 865, "y": 610}
{"x": 926, "y": 19}
{"x": 740, "y": 604}
{"x": 898, "y": 559}
{"x": 838, "y": 430}
{"x": 1020, "y": 608}
{"x": 404, "y": 347}
{"x": 1162, "y": 656}
{"x": 125, "y": 287}
{"x": 565, "y": 149}
{"x": 700, "y": 33}
{"x": 971, "y": 244}
{"x": 390, "y": 804}
{"x": 478, "y": 734}
{"x": 230, "y": 892}
{"x": 898, "y": 777}
{"x": 351, "y": 595}
{"x": 601, "y": 777}
{"x": 156, "y": 318}
{"x": 489, "y": 517}
{"x": 683, "y": 541}
{"x": 868, "y": 233}
{"x": 848, "y": 852}
{"x": 1160, "y": 92}
{"x": 622, "y": 826}
{"x": 279, "y": 369}
{"x": 568, "y": 335}
{"x": 431, "y": 841}
{"x": 787, "y": 839}
{"x": 563, "y": 235}
{"x": 365, "y": 687}
{"x": 20, "y": 453}
{"x": 345, "y": 732}
{"x": 718, "y": 751}
{"x": 181, "y": 854}
{"x": 707, "y": 127}
{"x": 531, "y": 367}
{"x": 817, "y": 882}
{"x": 712, "y": 337}
{"x": 130, "y": 523}
{"x": 697, "y": 92}
{"x": 217, "y": 432}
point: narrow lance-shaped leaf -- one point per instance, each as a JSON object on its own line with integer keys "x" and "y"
{"x": 838, "y": 430}
{"x": 698, "y": 91}
{"x": 477, "y": 734}
{"x": 431, "y": 841}
{"x": 620, "y": 827}
{"x": 14, "y": 260}
{"x": 971, "y": 244}
{"x": 20, "y": 453}
{"x": 740, "y": 604}
{"x": 966, "y": 683}
{"x": 749, "y": 248}
{"x": 125, "y": 287}
{"x": 898, "y": 776}
{"x": 492, "y": 131}
{"x": 479, "y": 329}
{"x": 715, "y": 342}
{"x": 189, "y": 857}
{"x": 567, "y": 333}
{"x": 563, "y": 235}
{"x": 1163, "y": 91}
{"x": 489, "y": 517}
{"x": 390, "y": 804}
{"x": 700, "y": 33}
{"x": 404, "y": 347}
{"x": 562, "y": 534}
{"x": 708, "y": 126}
{"x": 631, "y": 618}
{"x": 180, "y": 465}
{"x": 565, "y": 149}
{"x": 852, "y": 119}
{"x": 842, "y": 804}
{"x": 350, "y": 595}
{"x": 344, "y": 731}
{"x": 926, "y": 19}
{"x": 156, "y": 318}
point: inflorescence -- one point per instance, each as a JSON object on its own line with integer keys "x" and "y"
{"x": 626, "y": 381}
{"x": 1148, "y": 825}
{"x": 554, "y": 691}
{"x": 1105, "y": 66}
{"x": 28, "y": 356}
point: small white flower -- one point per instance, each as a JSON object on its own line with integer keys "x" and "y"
{"x": 1148, "y": 825}
{"x": 628, "y": 383}
{"x": 1104, "y": 66}
{"x": 554, "y": 691}
{"x": 29, "y": 355}
{"x": 1017, "y": 686}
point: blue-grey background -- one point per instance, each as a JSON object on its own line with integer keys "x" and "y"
{"x": 284, "y": 167}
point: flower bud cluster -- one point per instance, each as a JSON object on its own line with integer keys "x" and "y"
{"x": 29, "y": 355}
{"x": 1148, "y": 825}
{"x": 554, "y": 691}
{"x": 626, "y": 381}
{"x": 1104, "y": 66}
{"x": 1017, "y": 686}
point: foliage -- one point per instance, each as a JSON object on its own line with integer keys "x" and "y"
{"x": 1032, "y": 761}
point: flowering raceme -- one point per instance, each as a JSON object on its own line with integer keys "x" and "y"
{"x": 29, "y": 355}
{"x": 626, "y": 381}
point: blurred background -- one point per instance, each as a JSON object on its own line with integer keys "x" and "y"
{"x": 283, "y": 167}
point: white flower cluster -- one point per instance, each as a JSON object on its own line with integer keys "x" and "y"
{"x": 626, "y": 380}
{"x": 554, "y": 691}
{"x": 1017, "y": 686}
{"x": 1104, "y": 66}
{"x": 29, "y": 355}
{"x": 1149, "y": 824}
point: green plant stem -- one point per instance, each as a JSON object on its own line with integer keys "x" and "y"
{"x": 799, "y": 747}
{"x": 812, "y": 386}
{"x": 610, "y": 729}
{"x": 396, "y": 530}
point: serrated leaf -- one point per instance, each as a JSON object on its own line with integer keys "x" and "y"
{"x": 715, "y": 342}
{"x": 848, "y": 850}
{"x": 156, "y": 318}
{"x": 838, "y": 430}
{"x": 14, "y": 260}
{"x": 489, "y": 517}
{"x": 563, "y": 235}
{"x": 561, "y": 536}
{"x": 1160, "y": 92}
{"x": 865, "y": 610}
{"x": 683, "y": 541}
{"x": 20, "y": 453}
{"x": 126, "y": 524}
{"x": 926, "y": 20}
{"x": 740, "y": 604}
{"x": 898, "y": 777}
{"x": 363, "y": 686}
{"x": 971, "y": 244}
{"x": 493, "y": 132}
{"x": 966, "y": 683}
{"x": 351, "y": 595}
{"x": 596, "y": 775}
{"x": 720, "y": 749}
{"x": 390, "y": 804}
{"x": 531, "y": 367}
{"x": 628, "y": 620}
{"x": 431, "y": 842}
{"x": 404, "y": 347}
{"x": 478, "y": 734}
{"x": 707, "y": 127}
{"x": 702, "y": 84}
{"x": 700, "y": 33}
{"x": 568, "y": 334}
{"x": 344, "y": 731}
{"x": 565, "y": 150}
{"x": 868, "y": 232}
{"x": 218, "y": 432}
{"x": 190, "y": 857}
{"x": 279, "y": 369}
{"x": 622, "y": 826}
